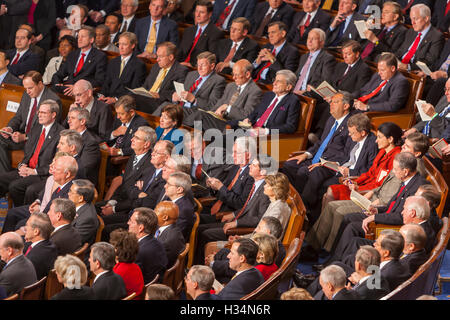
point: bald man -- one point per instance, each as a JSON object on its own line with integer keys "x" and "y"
{"x": 18, "y": 272}
{"x": 168, "y": 233}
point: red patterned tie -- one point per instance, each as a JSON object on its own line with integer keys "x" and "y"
{"x": 224, "y": 15}
{"x": 447, "y": 8}
{"x": 28, "y": 250}
{"x": 245, "y": 204}
{"x": 408, "y": 56}
{"x": 268, "y": 63}
{"x": 306, "y": 25}
{"x": 16, "y": 59}
{"x": 34, "y": 159}
{"x": 231, "y": 53}
{"x": 216, "y": 207}
{"x": 393, "y": 202}
{"x": 369, "y": 96}
{"x": 195, "y": 85}
{"x": 32, "y": 113}
{"x": 199, "y": 33}
{"x": 198, "y": 171}
{"x": 266, "y": 114}
{"x": 80, "y": 65}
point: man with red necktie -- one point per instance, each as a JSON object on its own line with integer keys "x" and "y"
{"x": 225, "y": 11}
{"x": 203, "y": 36}
{"x": 39, "y": 150}
{"x": 386, "y": 91}
{"x": 22, "y": 58}
{"x": 422, "y": 43}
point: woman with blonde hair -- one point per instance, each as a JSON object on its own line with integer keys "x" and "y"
{"x": 72, "y": 273}
{"x": 277, "y": 189}
{"x": 267, "y": 253}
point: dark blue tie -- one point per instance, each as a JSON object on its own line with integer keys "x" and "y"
{"x": 324, "y": 144}
{"x": 340, "y": 34}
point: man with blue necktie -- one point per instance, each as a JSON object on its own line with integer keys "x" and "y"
{"x": 334, "y": 144}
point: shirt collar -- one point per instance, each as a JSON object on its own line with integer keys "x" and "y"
{"x": 59, "y": 227}
{"x": 99, "y": 275}
{"x": 33, "y": 244}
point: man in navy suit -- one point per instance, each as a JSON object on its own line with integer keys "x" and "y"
{"x": 333, "y": 281}
{"x": 85, "y": 63}
{"x": 267, "y": 12}
{"x": 152, "y": 257}
{"x": 225, "y": 11}
{"x": 278, "y": 54}
{"x": 22, "y": 59}
{"x": 334, "y": 144}
{"x": 124, "y": 71}
{"x": 107, "y": 285}
{"x": 199, "y": 282}
{"x": 278, "y": 110}
{"x": 155, "y": 29}
{"x": 38, "y": 248}
{"x": 124, "y": 127}
{"x": 304, "y": 21}
{"x": 242, "y": 259}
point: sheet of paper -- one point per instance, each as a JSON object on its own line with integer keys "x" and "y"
{"x": 423, "y": 115}
{"x": 141, "y": 91}
{"x": 12, "y": 106}
{"x": 436, "y": 149}
{"x": 329, "y": 164}
{"x": 360, "y": 200}
{"x": 362, "y": 27}
{"x": 6, "y": 132}
{"x": 179, "y": 87}
{"x": 326, "y": 90}
{"x": 423, "y": 67}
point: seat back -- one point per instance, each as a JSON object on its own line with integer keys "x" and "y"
{"x": 101, "y": 226}
{"x": 297, "y": 218}
{"x": 82, "y": 251}
{"x": 193, "y": 237}
{"x": 269, "y": 290}
{"x": 179, "y": 272}
{"x": 15, "y": 296}
{"x": 437, "y": 180}
{"x": 144, "y": 290}
{"x": 423, "y": 281}
{"x": 102, "y": 174}
{"x": 52, "y": 286}
{"x": 34, "y": 291}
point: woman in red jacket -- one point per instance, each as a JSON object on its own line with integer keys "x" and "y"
{"x": 267, "y": 254}
{"x": 389, "y": 140}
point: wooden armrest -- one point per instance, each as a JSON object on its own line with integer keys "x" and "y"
{"x": 219, "y": 215}
{"x": 116, "y": 160}
{"x": 239, "y": 231}
{"x": 205, "y": 201}
{"x": 375, "y": 229}
{"x": 296, "y": 153}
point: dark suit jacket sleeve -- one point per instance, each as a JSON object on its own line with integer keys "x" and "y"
{"x": 233, "y": 199}
{"x": 87, "y": 226}
{"x": 215, "y": 94}
{"x": 252, "y": 217}
{"x": 370, "y": 152}
{"x": 398, "y": 96}
{"x": 166, "y": 92}
{"x": 29, "y": 61}
{"x": 292, "y": 107}
{"x": 289, "y": 61}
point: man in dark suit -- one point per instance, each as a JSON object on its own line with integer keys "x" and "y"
{"x": 85, "y": 63}
{"x": 238, "y": 100}
{"x": 38, "y": 248}
{"x": 422, "y": 43}
{"x": 414, "y": 253}
{"x": 407, "y": 7}
{"x": 333, "y": 282}
{"x": 343, "y": 27}
{"x": 155, "y": 29}
{"x": 85, "y": 222}
{"x": 277, "y": 55}
{"x": 6, "y": 76}
{"x": 159, "y": 82}
{"x": 113, "y": 22}
{"x": 124, "y": 126}
{"x": 333, "y": 144}
{"x": 26, "y": 117}
{"x": 356, "y": 224}
{"x": 203, "y": 88}
{"x": 38, "y": 154}
{"x": 100, "y": 115}
{"x": 304, "y": 21}
{"x": 103, "y": 39}
{"x": 440, "y": 18}
{"x": 124, "y": 71}
{"x": 12, "y": 14}
{"x": 246, "y": 216}
{"x": 64, "y": 171}
{"x": 225, "y": 11}
{"x": 268, "y": 12}
{"x": 22, "y": 59}
{"x": 117, "y": 197}
{"x": 128, "y": 10}
{"x": 201, "y": 37}
{"x": 107, "y": 285}
{"x": 89, "y": 155}
{"x": 177, "y": 189}
{"x": 363, "y": 150}
{"x": 152, "y": 257}
{"x": 278, "y": 110}
{"x": 439, "y": 117}
{"x": 390, "y": 37}
{"x": 99, "y": 9}
{"x": 169, "y": 233}
{"x": 242, "y": 259}
{"x": 237, "y": 47}
{"x": 19, "y": 271}
{"x": 386, "y": 91}
{"x": 199, "y": 282}
{"x": 65, "y": 237}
